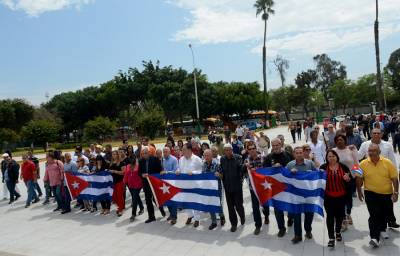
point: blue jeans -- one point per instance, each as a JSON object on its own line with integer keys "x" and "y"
{"x": 173, "y": 212}
{"x": 11, "y": 188}
{"x": 57, "y": 194}
{"x": 30, "y": 186}
{"x": 308, "y": 218}
{"x": 37, "y": 187}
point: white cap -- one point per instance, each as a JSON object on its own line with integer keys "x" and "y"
{"x": 5, "y": 155}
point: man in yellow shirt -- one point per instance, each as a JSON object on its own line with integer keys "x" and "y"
{"x": 381, "y": 189}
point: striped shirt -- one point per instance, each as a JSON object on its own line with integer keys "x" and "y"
{"x": 335, "y": 186}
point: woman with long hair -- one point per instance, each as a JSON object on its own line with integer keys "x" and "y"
{"x": 118, "y": 175}
{"x": 349, "y": 157}
{"x": 134, "y": 183}
{"x": 338, "y": 178}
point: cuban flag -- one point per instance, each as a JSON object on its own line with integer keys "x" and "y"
{"x": 94, "y": 187}
{"x": 290, "y": 192}
{"x": 357, "y": 171}
{"x": 197, "y": 192}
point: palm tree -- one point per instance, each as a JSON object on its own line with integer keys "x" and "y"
{"x": 379, "y": 81}
{"x": 264, "y": 7}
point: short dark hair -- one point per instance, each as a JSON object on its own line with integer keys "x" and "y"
{"x": 188, "y": 146}
{"x": 341, "y": 136}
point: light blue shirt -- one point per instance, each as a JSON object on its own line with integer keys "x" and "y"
{"x": 170, "y": 164}
{"x": 70, "y": 167}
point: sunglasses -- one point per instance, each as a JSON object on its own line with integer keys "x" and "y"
{"x": 307, "y": 149}
{"x": 251, "y": 148}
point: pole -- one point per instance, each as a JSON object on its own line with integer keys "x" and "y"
{"x": 195, "y": 91}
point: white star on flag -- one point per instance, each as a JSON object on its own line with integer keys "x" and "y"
{"x": 165, "y": 189}
{"x": 266, "y": 185}
{"x": 75, "y": 185}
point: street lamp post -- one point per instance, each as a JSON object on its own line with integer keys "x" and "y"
{"x": 195, "y": 91}
{"x": 373, "y": 106}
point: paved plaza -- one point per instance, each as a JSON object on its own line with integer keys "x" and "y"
{"x": 39, "y": 231}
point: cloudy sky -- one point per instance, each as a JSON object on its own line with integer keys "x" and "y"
{"x": 49, "y": 46}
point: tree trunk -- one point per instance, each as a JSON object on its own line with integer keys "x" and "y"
{"x": 265, "y": 70}
{"x": 287, "y": 116}
{"x": 379, "y": 81}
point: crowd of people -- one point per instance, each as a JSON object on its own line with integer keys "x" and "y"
{"x": 334, "y": 151}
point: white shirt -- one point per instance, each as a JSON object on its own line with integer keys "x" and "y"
{"x": 385, "y": 147}
{"x": 194, "y": 164}
{"x": 347, "y": 157}
{"x": 319, "y": 151}
{"x": 239, "y": 131}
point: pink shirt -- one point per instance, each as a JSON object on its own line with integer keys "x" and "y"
{"x": 54, "y": 173}
{"x": 132, "y": 178}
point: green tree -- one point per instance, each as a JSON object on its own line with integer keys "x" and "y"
{"x": 342, "y": 93}
{"x": 327, "y": 72}
{"x": 39, "y": 132}
{"x": 305, "y": 81}
{"x": 264, "y": 7}
{"x": 7, "y": 137}
{"x": 393, "y": 69}
{"x": 99, "y": 129}
{"x": 150, "y": 119}
{"x": 14, "y": 113}
{"x": 283, "y": 99}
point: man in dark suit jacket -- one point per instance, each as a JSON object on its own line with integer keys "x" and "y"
{"x": 11, "y": 174}
{"x": 149, "y": 165}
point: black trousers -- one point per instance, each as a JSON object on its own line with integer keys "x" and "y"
{"x": 379, "y": 206}
{"x": 256, "y": 210}
{"x": 148, "y": 195}
{"x": 334, "y": 207}
{"x": 293, "y": 133}
{"x": 234, "y": 200}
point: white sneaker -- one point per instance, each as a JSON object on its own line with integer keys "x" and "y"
{"x": 374, "y": 243}
{"x": 384, "y": 235}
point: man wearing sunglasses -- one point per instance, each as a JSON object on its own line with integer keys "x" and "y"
{"x": 254, "y": 161}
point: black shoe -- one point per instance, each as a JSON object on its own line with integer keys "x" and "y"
{"x": 331, "y": 243}
{"x": 11, "y": 202}
{"x": 35, "y": 201}
{"x": 296, "y": 239}
{"x": 46, "y": 202}
{"x": 339, "y": 237}
{"x": 266, "y": 221}
{"x": 290, "y": 222}
{"x": 65, "y": 211}
{"x": 196, "y": 224}
{"x": 27, "y": 205}
{"x": 57, "y": 209}
{"x": 132, "y": 218}
{"x": 257, "y": 231}
{"x": 308, "y": 235}
{"x": 393, "y": 224}
{"x": 242, "y": 221}
{"x": 173, "y": 222}
{"x": 169, "y": 218}
{"x": 188, "y": 221}
{"x": 141, "y": 212}
{"x": 223, "y": 221}
{"x": 150, "y": 220}
{"x": 282, "y": 232}
{"x": 17, "y": 197}
{"x": 212, "y": 226}
{"x": 40, "y": 195}
{"x": 233, "y": 228}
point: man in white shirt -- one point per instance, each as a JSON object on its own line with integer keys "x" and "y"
{"x": 190, "y": 164}
{"x": 387, "y": 151}
{"x": 239, "y": 132}
{"x": 318, "y": 147}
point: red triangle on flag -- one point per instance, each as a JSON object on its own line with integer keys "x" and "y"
{"x": 162, "y": 190}
{"x": 265, "y": 187}
{"x": 75, "y": 184}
